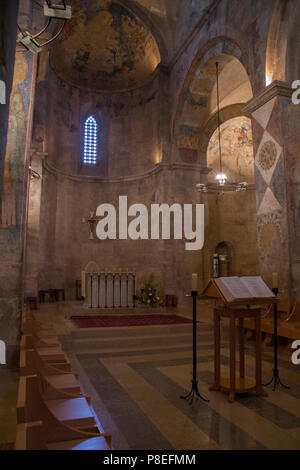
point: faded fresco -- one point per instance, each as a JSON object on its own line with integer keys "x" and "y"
{"x": 105, "y": 46}
{"x": 16, "y": 137}
{"x": 237, "y": 150}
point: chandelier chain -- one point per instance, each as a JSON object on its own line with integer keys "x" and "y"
{"x": 219, "y": 123}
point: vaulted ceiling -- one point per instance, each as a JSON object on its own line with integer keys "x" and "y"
{"x": 105, "y": 46}
{"x": 116, "y": 44}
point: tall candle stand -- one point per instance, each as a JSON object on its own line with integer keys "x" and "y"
{"x": 194, "y": 390}
{"x": 275, "y": 376}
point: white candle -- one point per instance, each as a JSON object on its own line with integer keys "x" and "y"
{"x": 194, "y": 281}
{"x": 275, "y": 280}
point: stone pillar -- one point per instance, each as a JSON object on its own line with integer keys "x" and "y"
{"x": 13, "y": 201}
{"x": 164, "y": 114}
{"x": 33, "y": 224}
{"x": 272, "y": 184}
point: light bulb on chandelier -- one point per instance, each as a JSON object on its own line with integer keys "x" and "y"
{"x": 221, "y": 178}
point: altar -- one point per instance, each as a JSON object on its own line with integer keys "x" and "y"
{"x": 107, "y": 289}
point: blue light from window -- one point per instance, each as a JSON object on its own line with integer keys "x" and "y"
{"x": 90, "y": 141}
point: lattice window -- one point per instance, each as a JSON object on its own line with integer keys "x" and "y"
{"x": 90, "y": 149}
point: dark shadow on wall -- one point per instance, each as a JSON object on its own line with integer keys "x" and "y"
{"x": 8, "y": 32}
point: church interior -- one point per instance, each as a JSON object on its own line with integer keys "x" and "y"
{"x": 166, "y": 102}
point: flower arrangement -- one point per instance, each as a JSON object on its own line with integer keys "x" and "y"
{"x": 149, "y": 294}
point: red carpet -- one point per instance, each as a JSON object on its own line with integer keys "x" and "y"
{"x": 8, "y": 446}
{"x": 85, "y": 321}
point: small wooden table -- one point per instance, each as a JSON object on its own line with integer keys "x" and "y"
{"x": 242, "y": 384}
{"x": 53, "y": 295}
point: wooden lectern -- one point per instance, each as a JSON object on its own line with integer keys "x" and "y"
{"x": 238, "y": 295}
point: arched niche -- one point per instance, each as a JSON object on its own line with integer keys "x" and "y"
{"x": 92, "y": 267}
{"x": 225, "y": 250}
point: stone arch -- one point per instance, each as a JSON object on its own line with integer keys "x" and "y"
{"x": 92, "y": 267}
{"x": 225, "y": 249}
{"x": 282, "y": 56}
{"x": 213, "y": 47}
{"x": 196, "y": 110}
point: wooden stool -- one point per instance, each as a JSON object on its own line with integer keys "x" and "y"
{"x": 242, "y": 384}
{"x": 171, "y": 300}
{"x": 42, "y": 294}
{"x": 60, "y": 292}
{"x": 52, "y": 295}
{"x": 32, "y": 300}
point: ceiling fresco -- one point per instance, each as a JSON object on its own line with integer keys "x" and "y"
{"x": 106, "y": 47}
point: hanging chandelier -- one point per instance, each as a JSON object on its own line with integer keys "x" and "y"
{"x": 52, "y": 11}
{"x": 222, "y": 184}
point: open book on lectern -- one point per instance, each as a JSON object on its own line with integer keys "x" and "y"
{"x": 247, "y": 289}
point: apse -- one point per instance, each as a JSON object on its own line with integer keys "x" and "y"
{"x": 105, "y": 47}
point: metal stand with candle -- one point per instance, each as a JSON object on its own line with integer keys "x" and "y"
{"x": 275, "y": 378}
{"x": 194, "y": 390}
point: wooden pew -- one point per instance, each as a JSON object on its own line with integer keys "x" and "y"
{"x": 52, "y": 378}
{"x": 288, "y": 321}
{"x": 30, "y": 325}
{"x": 51, "y": 397}
{"x": 32, "y": 436}
{"x": 31, "y": 362}
{"x": 71, "y": 412}
{"x": 294, "y": 317}
{"x": 32, "y": 341}
{"x": 52, "y": 354}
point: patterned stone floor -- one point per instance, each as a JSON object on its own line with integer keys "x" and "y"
{"x": 136, "y": 375}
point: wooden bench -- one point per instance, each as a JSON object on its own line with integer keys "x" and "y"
{"x": 288, "y": 321}
{"x": 33, "y": 341}
{"x": 52, "y": 377}
{"x": 32, "y": 436}
{"x": 53, "y": 412}
{"x": 63, "y": 420}
{"x": 31, "y": 362}
{"x": 29, "y": 325}
{"x": 31, "y": 406}
{"x": 48, "y": 354}
{"x": 294, "y": 316}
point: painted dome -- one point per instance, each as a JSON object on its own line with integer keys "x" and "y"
{"x": 105, "y": 46}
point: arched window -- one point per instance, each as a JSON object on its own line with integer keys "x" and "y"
{"x": 90, "y": 147}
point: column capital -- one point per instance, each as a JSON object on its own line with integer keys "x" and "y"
{"x": 276, "y": 88}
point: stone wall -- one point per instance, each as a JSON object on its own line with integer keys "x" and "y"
{"x": 133, "y": 154}
{"x": 11, "y": 182}
{"x": 141, "y": 159}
